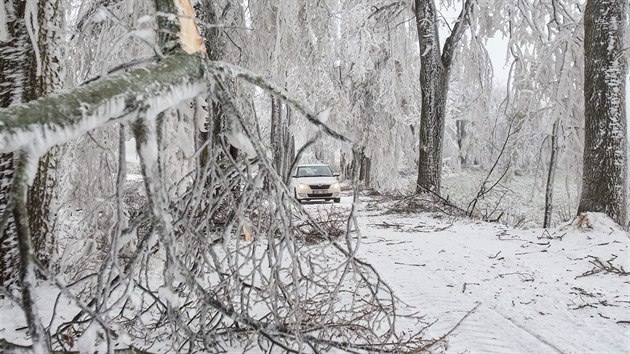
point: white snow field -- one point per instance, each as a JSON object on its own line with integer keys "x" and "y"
{"x": 503, "y": 290}
{"x": 487, "y": 288}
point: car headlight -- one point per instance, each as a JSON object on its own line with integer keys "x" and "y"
{"x": 334, "y": 185}
{"x": 302, "y": 187}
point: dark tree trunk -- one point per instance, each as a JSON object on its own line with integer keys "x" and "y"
{"x": 604, "y": 187}
{"x": 8, "y": 242}
{"x": 365, "y": 165}
{"x": 24, "y": 78}
{"x": 434, "y": 78}
{"x": 288, "y": 143}
{"x": 551, "y": 176}
{"x": 460, "y": 125}
{"x": 276, "y": 134}
{"x": 214, "y": 40}
{"x": 13, "y": 57}
{"x": 42, "y": 193}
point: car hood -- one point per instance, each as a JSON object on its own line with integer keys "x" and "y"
{"x": 315, "y": 180}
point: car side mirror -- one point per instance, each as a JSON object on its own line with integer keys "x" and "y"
{"x": 336, "y": 174}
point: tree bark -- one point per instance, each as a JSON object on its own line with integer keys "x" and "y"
{"x": 461, "y": 125}
{"x": 8, "y": 243}
{"x": 14, "y": 59}
{"x": 27, "y": 74}
{"x": 434, "y": 79}
{"x": 46, "y": 80}
{"x": 276, "y": 134}
{"x": 215, "y": 43}
{"x": 551, "y": 176}
{"x": 604, "y": 187}
{"x": 168, "y": 27}
{"x": 28, "y": 266}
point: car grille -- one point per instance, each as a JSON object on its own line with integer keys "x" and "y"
{"x": 319, "y": 186}
{"x": 327, "y": 195}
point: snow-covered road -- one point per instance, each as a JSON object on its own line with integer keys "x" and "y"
{"x": 491, "y": 288}
{"x": 523, "y": 290}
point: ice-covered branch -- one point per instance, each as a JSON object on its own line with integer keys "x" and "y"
{"x": 51, "y": 120}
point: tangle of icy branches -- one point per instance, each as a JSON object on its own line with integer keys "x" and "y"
{"x": 220, "y": 256}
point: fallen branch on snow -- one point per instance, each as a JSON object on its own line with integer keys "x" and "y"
{"x": 525, "y": 277}
{"x": 607, "y": 267}
{"x": 442, "y": 337}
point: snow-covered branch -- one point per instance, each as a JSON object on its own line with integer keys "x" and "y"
{"x": 51, "y": 120}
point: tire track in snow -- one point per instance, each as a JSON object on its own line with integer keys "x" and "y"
{"x": 530, "y": 314}
{"x": 484, "y": 331}
{"x": 487, "y": 331}
{"x": 435, "y": 293}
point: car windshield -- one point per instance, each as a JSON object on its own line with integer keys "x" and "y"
{"x": 314, "y": 171}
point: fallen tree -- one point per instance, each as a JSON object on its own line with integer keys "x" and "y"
{"x": 273, "y": 289}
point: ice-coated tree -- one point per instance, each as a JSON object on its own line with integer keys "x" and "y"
{"x": 604, "y": 187}
{"x": 544, "y": 102}
{"x": 30, "y": 51}
{"x": 204, "y": 269}
{"x": 374, "y": 78}
{"x": 215, "y": 17}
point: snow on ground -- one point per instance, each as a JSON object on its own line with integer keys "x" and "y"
{"x": 498, "y": 289}
{"x": 520, "y": 198}
{"x": 517, "y": 291}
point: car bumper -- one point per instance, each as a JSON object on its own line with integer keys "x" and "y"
{"x": 312, "y": 195}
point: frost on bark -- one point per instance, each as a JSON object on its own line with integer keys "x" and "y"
{"x": 604, "y": 186}
{"x": 214, "y": 39}
{"x": 434, "y": 79}
{"x": 176, "y": 77}
{"x": 551, "y": 175}
{"x": 13, "y": 78}
{"x": 282, "y": 140}
{"x": 27, "y": 263}
{"x": 8, "y": 246}
{"x": 167, "y": 24}
{"x": 29, "y": 62}
{"x": 46, "y": 79}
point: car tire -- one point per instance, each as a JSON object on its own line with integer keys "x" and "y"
{"x": 337, "y": 200}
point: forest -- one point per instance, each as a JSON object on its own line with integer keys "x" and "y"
{"x": 146, "y": 150}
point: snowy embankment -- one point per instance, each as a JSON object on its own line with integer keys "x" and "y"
{"x": 503, "y": 290}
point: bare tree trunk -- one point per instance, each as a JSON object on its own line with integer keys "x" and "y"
{"x": 604, "y": 187}
{"x": 42, "y": 192}
{"x": 215, "y": 41}
{"x": 364, "y": 166}
{"x": 460, "y": 125}
{"x": 367, "y": 171}
{"x": 551, "y": 176}
{"x": 288, "y": 143}
{"x": 276, "y": 134}
{"x": 41, "y": 200}
{"x": 28, "y": 266}
{"x": 434, "y": 78}
{"x": 26, "y": 75}
{"x": 168, "y": 26}
{"x": 14, "y": 59}
{"x": 8, "y": 242}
